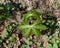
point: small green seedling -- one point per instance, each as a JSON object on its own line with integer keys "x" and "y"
{"x": 29, "y": 28}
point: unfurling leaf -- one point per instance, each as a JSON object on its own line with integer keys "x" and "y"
{"x": 36, "y": 32}
{"x": 26, "y": 32}
{"x": 40, "y": 27}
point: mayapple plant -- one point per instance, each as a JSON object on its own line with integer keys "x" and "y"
{"x": 31, "y": 24}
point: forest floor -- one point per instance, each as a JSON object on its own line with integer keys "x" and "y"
{"x": 11, "y": 16}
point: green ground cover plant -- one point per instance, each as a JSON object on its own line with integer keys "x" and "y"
{"x": 31, "y": 28}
